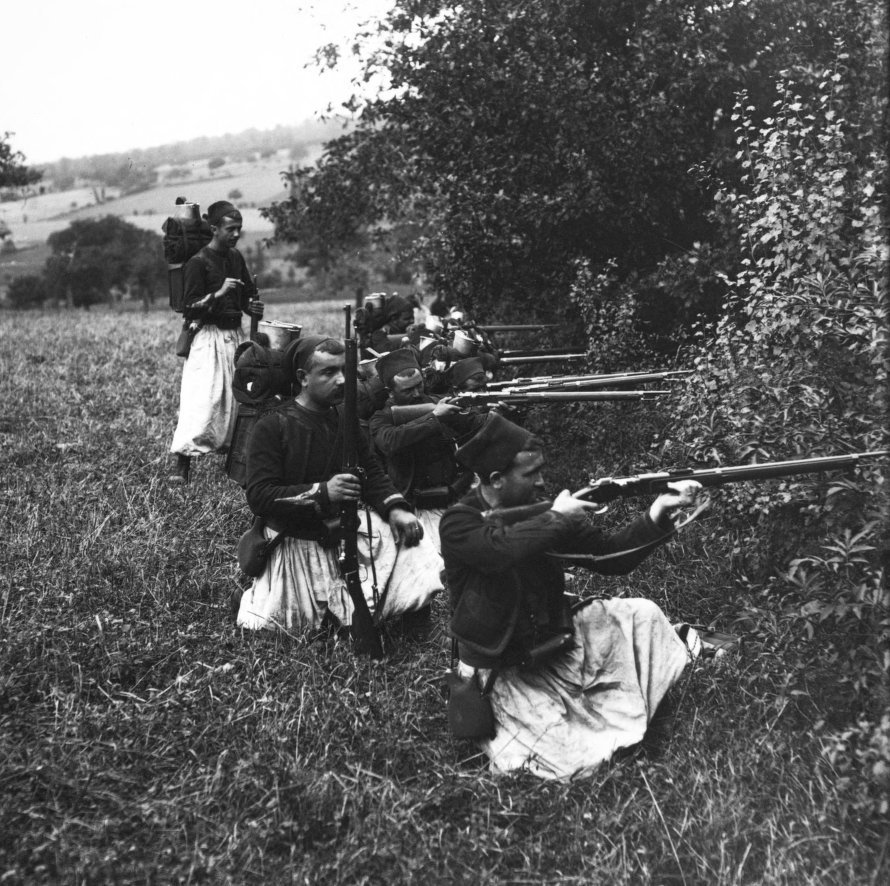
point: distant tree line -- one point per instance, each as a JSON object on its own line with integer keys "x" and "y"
{"x": 134, "y": 170}
{"x": 90, "y": 258}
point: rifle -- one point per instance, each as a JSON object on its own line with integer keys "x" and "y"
{"x": 254, "y": 320}
{"x": 583, "y": 384}
{"x": 517, "y": 327}
{"x": 592, "y": 380}
{"x": 364, "y": 632}
{"x": 609, "y": 489}
{"x": 538, "y": 357}
{"x": 482, "y": 398}
{"x": 533, "y": 352}
{"x": 403, "y": 414}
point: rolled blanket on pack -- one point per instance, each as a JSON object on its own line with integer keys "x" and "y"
{"x": 183, "y": 238}
{"x": 259, "y": 374}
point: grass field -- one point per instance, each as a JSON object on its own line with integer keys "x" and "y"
{"x": 144, "y": 740}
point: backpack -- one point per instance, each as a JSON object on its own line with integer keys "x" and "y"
{"x": 185, "y": 234}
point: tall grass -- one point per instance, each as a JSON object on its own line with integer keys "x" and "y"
{"x": 144, "y": 740}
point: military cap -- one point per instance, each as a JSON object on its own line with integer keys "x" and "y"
{"x": 464, "y": 369}
{"x": 216, "y": 212}
{"x": 298, "y": 352}
{"x": 391, "y": 364}
{"x": 494, "y": 446}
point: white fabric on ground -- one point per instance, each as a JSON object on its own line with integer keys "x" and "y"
{"x": 566, "y": 718}
{"x": 303, "y": 580}
{"x": 207, "y": 407}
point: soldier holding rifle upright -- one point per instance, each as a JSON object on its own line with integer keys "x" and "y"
{"x": 569, "y": 688}
{"x": 296, "y": 482}
{"x": 218, "y": 290}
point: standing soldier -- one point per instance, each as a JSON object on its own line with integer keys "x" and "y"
{"x": 218, "y": 290}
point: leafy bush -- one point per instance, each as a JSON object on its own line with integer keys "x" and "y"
{"x": 797, "y": 367}
{"x": 27, "y": 291}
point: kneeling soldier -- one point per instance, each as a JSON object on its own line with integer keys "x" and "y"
{"x": 296, "y": 453}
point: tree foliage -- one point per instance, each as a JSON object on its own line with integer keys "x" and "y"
{"x": 13, "y": 171}
{"x": 521, "y": 138}
{"x": 92, "y": 255}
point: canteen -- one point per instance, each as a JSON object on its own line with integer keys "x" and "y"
{"x": 280, "y": 334}
{"x": 376, "y": 301}
{"x": 188, "y": 213}
{"x": 464, "y": 345}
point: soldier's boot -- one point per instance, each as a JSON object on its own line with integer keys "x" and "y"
{"x": 417, "y": 625}
{"x": 181, "y": 475}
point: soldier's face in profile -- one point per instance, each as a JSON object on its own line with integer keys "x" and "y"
{"x": 323, "y": 380}
{"x": 406, "y": 391}
{"x": 523, "y": 483}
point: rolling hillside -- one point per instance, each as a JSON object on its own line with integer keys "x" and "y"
{"x": 32, "y": 220}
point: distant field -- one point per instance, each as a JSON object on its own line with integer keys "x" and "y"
{"x": 260, "y": 183}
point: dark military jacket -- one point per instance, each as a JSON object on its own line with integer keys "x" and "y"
{"x": 294, "y": 452}
{"x": 506, "y": 592}
{"x": 205, "y": 272}
{"x": 418, "y": 454}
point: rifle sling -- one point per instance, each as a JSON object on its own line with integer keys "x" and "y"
{"x": 596, "y": 558}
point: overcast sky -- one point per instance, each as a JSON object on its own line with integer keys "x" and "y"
{"x": 81, "y": 77}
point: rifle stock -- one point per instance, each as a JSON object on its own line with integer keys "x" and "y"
{"x": 609, "y": 489}
{"x": 365, "y": 635}
{"x": 401, "y": 415}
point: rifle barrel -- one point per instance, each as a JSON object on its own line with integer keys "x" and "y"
{"x": 609, "y": 489}
{"x": 553, "y": 397}
{"x": 556, "y": 380}
{"x": 532, "y": 352}
{"x": 586, "y": 383}
{"x": 517, "y": 327}
{"x": 545, "y": 358}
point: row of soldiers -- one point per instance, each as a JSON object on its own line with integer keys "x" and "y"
{"x": 433, "y": 471}
{"x": 543, "y": 684}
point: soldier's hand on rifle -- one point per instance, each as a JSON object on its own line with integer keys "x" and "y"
{"x": 255, "y": 308}
{"x": 405, "y": 527}
{"x": 444, "y": 409}
{"x": 685, "y": 492}
{"x": 344, "y": 487}
{"x": 566, "y": 503}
